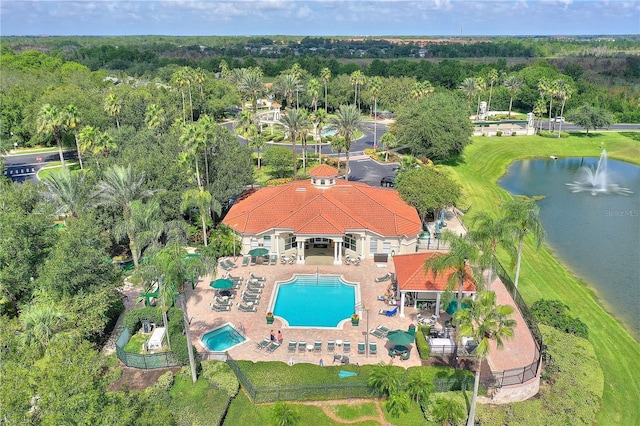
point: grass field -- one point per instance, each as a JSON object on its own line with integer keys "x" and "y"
{"x": 483, "y": 163}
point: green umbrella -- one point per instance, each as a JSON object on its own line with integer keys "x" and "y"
{"x": 258, "y": 251}
{"x": 222, "y": 283}
{"x": 400, "y": 337}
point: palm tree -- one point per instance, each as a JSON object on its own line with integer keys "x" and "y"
{"x": 66, "y": 191}
{"x": 113, "y": 107}
{"x": 564, "y": 92}
{"x": 296, "y": 71}
{"x": 358, "y": 79}
{"x": 447, "y": 411}
{"x": 460, "y": 258}
{"x": 143, "y": 223}
{"x": 286, "y": 85}
{"x": 522, "y": 216}
{"x": 325, "y": 76}
{"x": 347, "y": 122}
{"x": 397, "y": 403}
{"x": 154, "y": 116}
{"x": 284, "y": 415}
{"x": 39, "y": 324}
{"x": 179, "y": 79}
{"x": 513, "y": 83}
{"x": 72, "y": 121}
{"x": 120, "y": 186}
{"x": 389, "y": 141}
{"x": 552, "y": 91}
{"x": 191, "y": 140}
{"x": 51, "y": 122}
{"x": 251, "y": 86}
{"x": 482, "y": 86}
{"x": 313, "y": 90}
{"x": 208, "y": 132}
{"x": 484, "y": 321}
{"x": 490, "y": 233}
{"x": 338, "y": 145}
{"x": 205, "y": 203}
{"x": 539, "y": 109}
{"x": 421, "y": 89}
{"x": 492, "y": 77}
{"x": 385, "y": 379}
{"x": 469, "y": 87}
{"x": 87, "y": 139}
{"x": 318, "y": 119}
{"x": 419, "y": 386}
{"x": 257, "y": 142}
{"x": 296, "y": 123}
{"x": 375, "y": 86}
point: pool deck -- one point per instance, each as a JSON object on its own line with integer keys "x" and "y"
{"x": 203, "y": 319}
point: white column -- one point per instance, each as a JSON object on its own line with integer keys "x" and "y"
{"x": 402, "y": 293}
{"x": 340, "y": 252}
{"x": 336, "y": 261}
{"x": 277, "y": 241}
{"x": 363, "y": 239}
{"x": 437, "y": 312}
{"x": 300, "y": 252}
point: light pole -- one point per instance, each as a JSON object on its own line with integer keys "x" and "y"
{"x": 366, "y": 334}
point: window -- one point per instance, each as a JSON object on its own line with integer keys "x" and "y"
{"x": 267, "y": 241}
{"x": 373, "y": 245}
{"x": 350, "y": 242}
{"x": 322, "y": 182}
{"x": 386, "y": 247}
{"x": 254, "y": 243}
{"x": 289, "y": 242}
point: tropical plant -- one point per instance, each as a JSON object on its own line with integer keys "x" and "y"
{"x": 358, "y": 79}
{"x": 72, "y": 121}
{"x": 347, "y": 122}
{"x": 120, "y": 187}
{"x": 513, "y": 83}
{"x": 564, "y": 91}
{"x": 397, "y": 403}
{"x": 154, "y": 117}
{"x": 375, "y": 86}
{"x": 318, "y": 119}
{"x": 313, "y": 90}
{"x": 40, "y": 322}
{"x": 142, "y": 226}
{"x": 286, "y": 84}
{"x": 447, "y": 411}
{"x": 460, "y": 260}
{"x": 522, "y": 216}
{"x": 193, "y": 142}
{"x": 469, "y": 87}
{"x": 484, "y": 321}
{"x": 296, "y": 123}
{"x": 338, "y": 144}
{"x": 325, "y": 76}
{"x": 205, "y": 203}
{"x": 492, "y": 77}
{"x": 389, "y": 141}
{"x": 418, "y": 386}
{"x": 490, "y": 233}
{"x": 385, "y": 379}
{"x": 283, "y": 415}
{"x": 66, "y": 191}
{"x": 251, "y": 86}
{"x": 113, "y": 107}
{"x": 51, "y": 121}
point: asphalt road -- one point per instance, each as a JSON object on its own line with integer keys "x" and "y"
{"x": 23, "y": 167}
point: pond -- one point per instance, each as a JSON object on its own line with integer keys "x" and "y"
{"x": 593, "y": 230}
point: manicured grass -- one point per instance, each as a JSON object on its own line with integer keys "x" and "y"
{"x": 353, "y": 412}
{"x": 54, "y": 166}
{"x": 135, "y": 343}
{"x": 412, "y": 417}
{"x": 197, "y": 403}
{"x": 482, "y": 164}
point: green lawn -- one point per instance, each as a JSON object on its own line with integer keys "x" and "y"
{"x": 483, "y": 163}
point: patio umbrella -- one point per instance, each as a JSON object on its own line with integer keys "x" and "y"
{"x": 400, "y": 337}
{"x": 221, "y": 283}
{"x": 258, "y": 251}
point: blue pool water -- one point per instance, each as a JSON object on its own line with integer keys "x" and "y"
{"x": 223, "y": 338}
{"x": 328, "y": 131}
{"x": 315, "y": 301}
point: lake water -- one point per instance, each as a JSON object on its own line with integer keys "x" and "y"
{"x": 596, "y": 236}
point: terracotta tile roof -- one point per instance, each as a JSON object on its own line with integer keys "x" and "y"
{"x": 412, "y": 277}
{"x": 323, "y": 170}
{"x": 346, "y": 206}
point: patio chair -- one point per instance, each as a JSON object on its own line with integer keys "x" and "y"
{"x": 291, "y": 348}
{"x": 253, "y": 261}
{"x": 245, "y": 260}
{"x": 373, "y": 348}
{"x": 357, "y": 260}
{"x": 272, "y": 347}
{"x": 223, "y": 265}
{"x": 361, "y": 348}
{"x": 254, "y": 277}
{"x": 405, "y": 356}
{"x": 388, "y": 313}
{"x": 253, "y": 290}
{"x": 283, "y": 259}
{"x": 292, "y": 259}
{"x": 346, "y": 347}
{"x": 232, "y": 278}
{"x": 383, "y": 329}
{"x": 251, "y": 295}
{"x": 255, "y": 284}
{"x": 377, "y": 333}
{"x": 273, "y": 259}
{"x": 331, "y": 346}
{"x": 261, "y": 345}
{"x": 222, "y": 302}
{"x": 302, "y": 347}
{"x": 220, "y": 308}
{"x": 246, "y": 308}
{"x": 317, "y": 347}
{"x": 230, "y": 263}
{"x": 254, "y": 302}
{"x": 347, "y": 259}
{"x": 385, "y": 277}
{"x": 342, "y": 359}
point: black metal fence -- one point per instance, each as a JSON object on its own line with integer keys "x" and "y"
{"x": 265, "y": 394}
{"x": 143, "y": 361}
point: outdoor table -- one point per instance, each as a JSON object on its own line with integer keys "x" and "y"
{"x": 400, "y": 349}
{"x": 225, "y": 293}
{"x": 339, "y": 342}
{"x": 309, "y": 347}
{"x": 249, "y": 303}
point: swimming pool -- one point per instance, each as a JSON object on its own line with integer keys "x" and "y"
{"x": 328, "y": 131}
{"x": 222, "y": 339}
{"x": 314, "y": 300}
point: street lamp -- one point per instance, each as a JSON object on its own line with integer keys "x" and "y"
{"x": 366, "y": 334}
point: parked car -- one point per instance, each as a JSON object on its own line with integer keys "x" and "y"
{"x": 388, "y": 181}
{"x": 559, "y": 119}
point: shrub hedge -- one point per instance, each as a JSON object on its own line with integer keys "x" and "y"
{"x": 553, "y": 313}
{"x": 279, "y": 181}
{"x": 552, "y": 135}
{"x": 421, "y": 341}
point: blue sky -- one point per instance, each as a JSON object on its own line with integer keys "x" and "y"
{"x": 319, "y": 17}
